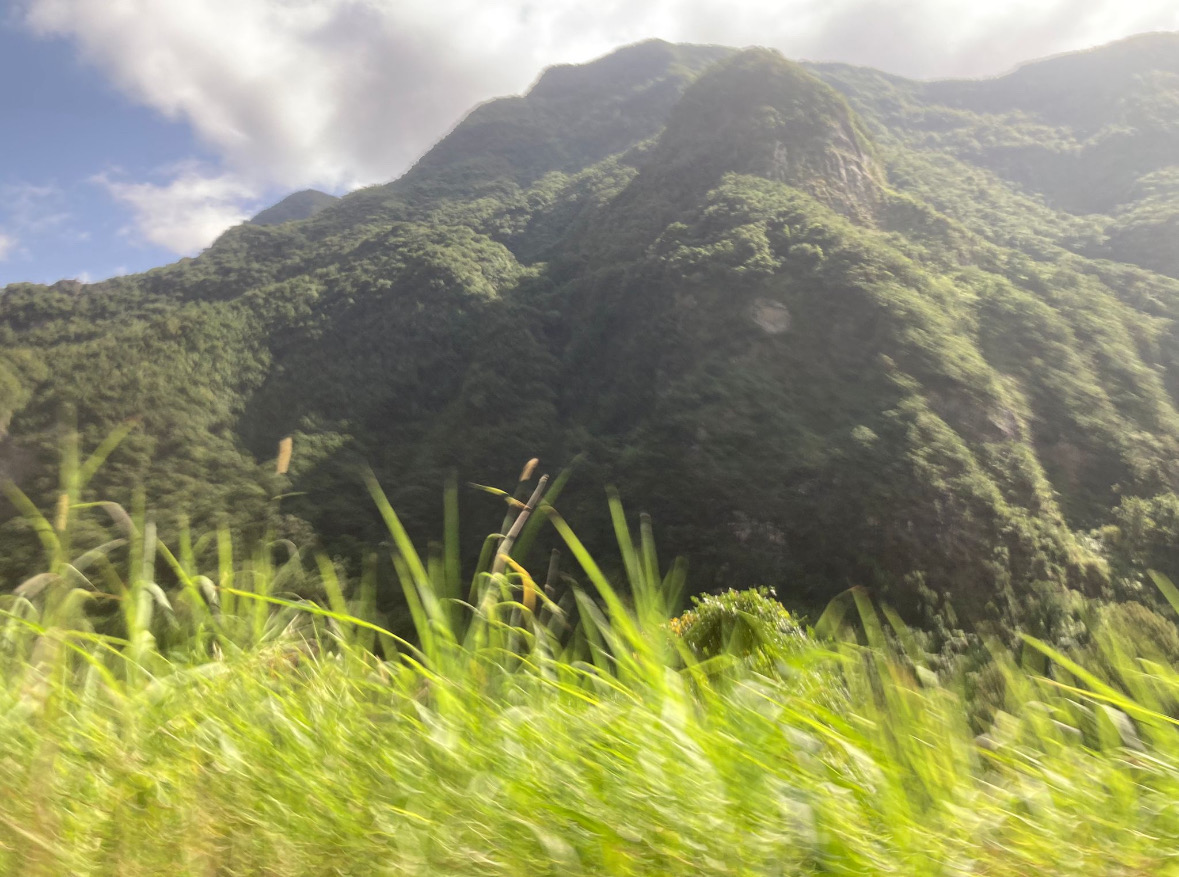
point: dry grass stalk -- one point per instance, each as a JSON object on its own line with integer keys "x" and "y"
{"x": 285, "y": 447}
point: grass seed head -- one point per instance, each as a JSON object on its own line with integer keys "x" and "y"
{"x": 529, "y": 468}
{"x": 62, "y": 518}
{"x": 285, "y": 447}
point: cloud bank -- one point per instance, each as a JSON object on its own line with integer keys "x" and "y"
{"x": 7, "y": 245}
{"x": 187, "y": 212}
{"x": 340, "y": 93}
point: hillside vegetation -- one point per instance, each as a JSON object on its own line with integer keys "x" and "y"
{"x": 828, "y": 326}
{"x": 229, "y": 727}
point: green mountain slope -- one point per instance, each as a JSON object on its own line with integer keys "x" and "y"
{"x": 829, "y": 326}
{"x": 299, "y": 205}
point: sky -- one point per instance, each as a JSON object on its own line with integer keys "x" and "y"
{"x": 133, "y": 132}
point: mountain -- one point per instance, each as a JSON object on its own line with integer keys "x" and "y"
{"x": 829, "y": 326}
{"x": 299, "y": 205}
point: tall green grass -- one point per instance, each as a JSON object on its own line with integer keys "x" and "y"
{"x": 226, "y": 726}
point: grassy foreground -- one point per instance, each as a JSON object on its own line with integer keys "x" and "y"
{"x": 226, "y": 729}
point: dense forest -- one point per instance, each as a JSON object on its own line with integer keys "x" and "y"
{"x": 827, "y": 325}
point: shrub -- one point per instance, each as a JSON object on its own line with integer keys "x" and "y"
{"x": 750, "y": 625}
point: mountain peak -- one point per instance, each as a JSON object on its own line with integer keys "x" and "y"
{"x": 1086, "y": 90}
{"x": 760, "y": 114}
{"x": 1147, "y": 51}
{"x": 624, "y": 68}
{"x": 574, "y": 116}
{"x": 300, "y": 205}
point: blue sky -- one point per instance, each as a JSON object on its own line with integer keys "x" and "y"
{"x": 134, "y": 132}
{"x": 64, "y": 125}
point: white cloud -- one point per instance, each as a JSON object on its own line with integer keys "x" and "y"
{"x": 189, "y": 211}
{"x": 337, "y": 93}
{"x": 7, "y": 245}
{"x": 34, "y": 209}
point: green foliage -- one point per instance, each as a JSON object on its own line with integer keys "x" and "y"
{"x": 269, "y": 734}
{"x": 914, "y": 336}
{"x": 300, "y": 205}
{"x": 828, "y": 326}
{"x": 749, "y": 624}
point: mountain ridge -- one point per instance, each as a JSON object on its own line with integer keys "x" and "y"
{"x": 825, "y": 328}
{"x": 294, "y": 207}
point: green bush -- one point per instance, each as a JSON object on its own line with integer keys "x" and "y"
{"x": 749, "y": 624}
